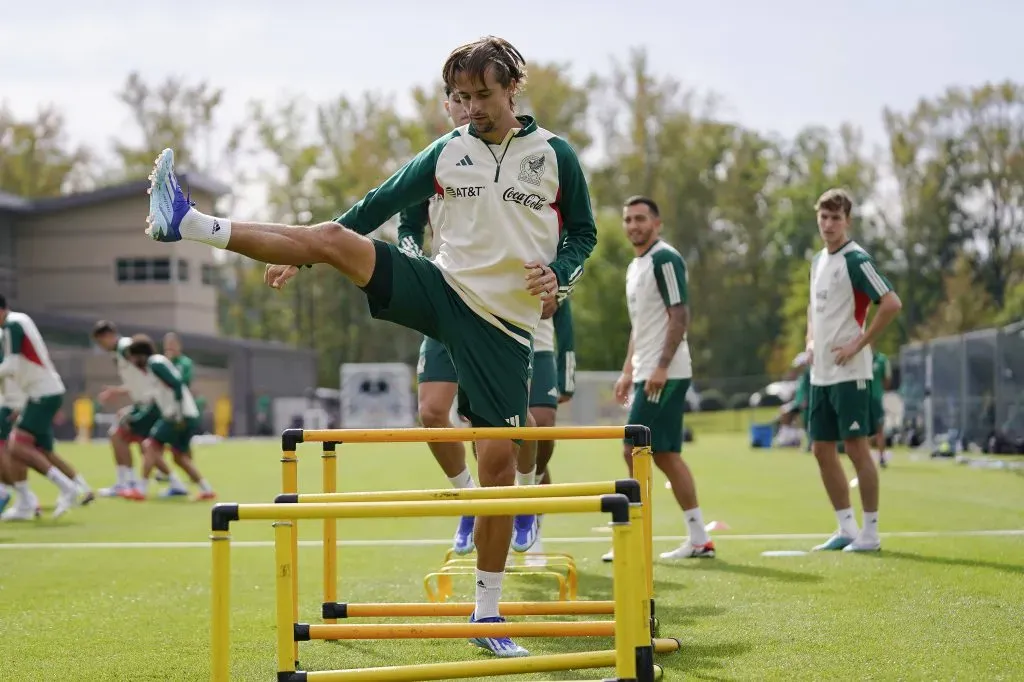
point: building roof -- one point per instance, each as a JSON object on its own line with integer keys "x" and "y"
{"x": 127, "y": 190}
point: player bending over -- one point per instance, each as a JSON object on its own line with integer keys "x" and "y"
{"x": 179, "y": 416}
{"x": 844, "y": 281}
{"x": 509, "y": 188}
{"x": 26, "y": 361}
{"x": 657, "y": 371}
{"x": 135, "y": 422}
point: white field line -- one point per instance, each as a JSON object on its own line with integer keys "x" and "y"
{"x": 442, "y": 542}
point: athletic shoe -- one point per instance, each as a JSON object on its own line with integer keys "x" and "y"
{"x": 464, "y": 542}
{"x": 864, "y": 544}
{"x": 835, "y": 543}
{"x": 609, "y": 556}
{"x": 502, "y": 647}
{"x": 173, "y": 491}
{"x": 204, "y": 495}
{"x": 133, "y": 493}
{"x": 689, "y": 550}
{"x": 20, "y": 513}
{"x": 65, "y": 501}
{"x": 524, "y": 532}
{"x": 167, "y": 203}
{"x": 114, "y": 490}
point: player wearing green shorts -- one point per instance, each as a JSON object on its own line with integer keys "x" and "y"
{"x": 657, "y": 371}
{"x": 134, "y": 422}
{"x": 178, "y": 421}
{"x": 844, "y": 282}
{"x": 518, "y": 228}
{"x": 26, "y": 362}
{"x": 12, "y": 402}
{"x": 881, "y": 373}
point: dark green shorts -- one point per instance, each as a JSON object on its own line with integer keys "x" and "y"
{"x": 544, "y": 383}
{"x": 176, "y": 435}
{"x": 136, "y": 424}
{"x": 665, "y": 417}
{"x": 493, "y": 368}
{"x": 37, "y": 419}
{"x": 435, "y": 364}
{"x": 842, "y": 411}
{"x": 6, "y": 423}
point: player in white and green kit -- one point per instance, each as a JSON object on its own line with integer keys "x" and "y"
{"x": 12, "y": 402}
{"x": 179, "y": 416}
{"x": 657, "y": 371}
{"x": 844, "y": 283}
{"x": 518, "y": 228}
{"x": 881, "y": 371}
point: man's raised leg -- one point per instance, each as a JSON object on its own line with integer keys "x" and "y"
{"x": 22, "y": 447}
{"x": 173, "y": 218}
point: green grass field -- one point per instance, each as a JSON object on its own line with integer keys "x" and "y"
{"x": 942, "y": 601}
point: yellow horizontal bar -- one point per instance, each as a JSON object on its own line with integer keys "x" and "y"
{"x": 600, "y": 628}
{"x": 495, "y": 492}
{"x": 420, "y": 435}
{"x": 364, "y": 510}
{"x": 463, "y": 669}
{"x": 523, "y": 608}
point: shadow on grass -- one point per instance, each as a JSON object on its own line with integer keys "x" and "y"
{"x": 947, "y": 561}
{"x": 717, "y": 564}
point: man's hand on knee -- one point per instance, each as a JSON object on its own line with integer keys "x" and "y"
{"x": 276, "y": 276}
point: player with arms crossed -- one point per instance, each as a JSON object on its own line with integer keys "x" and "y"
{"x": 510, "y": 190}
{"x": 136, "y": 422}
{"x": 179, "y": 416}
{"x": 26, "y": 361}
{"x": 657, "y": 370}
{"x": 844, "y": 282}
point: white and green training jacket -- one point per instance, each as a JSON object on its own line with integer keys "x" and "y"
{"x": 504, "y": 204}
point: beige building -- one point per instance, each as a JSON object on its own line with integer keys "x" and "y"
{"x": 71, "y": 260}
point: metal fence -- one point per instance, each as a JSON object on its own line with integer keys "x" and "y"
{"x": 970, "y": 385}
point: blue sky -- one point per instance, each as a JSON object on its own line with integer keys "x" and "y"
{"x": 778, "y": 65}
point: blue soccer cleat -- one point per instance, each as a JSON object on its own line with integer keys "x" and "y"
{"x": 524, "y": 532}
{"x": 464, "y": 542}
{"x": 837, "y": 542}
{"x": 502, "y": 647}
{"x": 168, "y": 205}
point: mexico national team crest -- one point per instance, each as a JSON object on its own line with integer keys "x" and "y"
{"x": 532, "y": 169}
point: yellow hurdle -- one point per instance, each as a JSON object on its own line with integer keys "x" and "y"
{"x": 640, "y": 436}
{"x": 634, "y": 648}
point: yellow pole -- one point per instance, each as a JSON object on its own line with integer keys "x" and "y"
{"x": 378, "y": 510}
{"x": 641, "y": 635}
{"x": 423, "y": 435}
{"x": 220, "y": 621}
{"x": 290, "y": 484}
{"x": 330, "y": 485}
{"x": 625, "y": 666}
{"x": 598, "y": 628}
{"x": 286, "y": 645}
{"x": 642, "y": 472}
{"x": 507, "y": 608}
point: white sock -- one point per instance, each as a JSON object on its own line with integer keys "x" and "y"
{"x": 847, "y": 522}
{"x": 200, "y": 227}
{"x": 174, "y": 482}
{"x": 871, "y": 524}
{"x": 142, "y": 484}
{"x": 204, "y": 486}
{"x": 125, "y": 475}
{"x": 695, "y": 522}
{"x": 463, "y": 480}
{"x": 528, "y": 478}
{"x": 24, "y": 494}
{"x": 66, "y": 485}
{"x": 488, "y": 593}
{"x": 82, "y": 484}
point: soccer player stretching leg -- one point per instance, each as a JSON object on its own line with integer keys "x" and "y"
{"x": 844, "y": 281}
{"x": 510, "y": 189}
{"x": 657, "y": 370}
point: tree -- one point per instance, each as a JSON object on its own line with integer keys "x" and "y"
{"x": 967, "y": 305}
{"x": 559, "y": 104}
{"x": 36, "y": 159}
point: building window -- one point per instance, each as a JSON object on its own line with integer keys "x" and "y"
{"x": 182, "y": 270}
{"x": 209, "y": 274}
{"x": 143, "y": 270}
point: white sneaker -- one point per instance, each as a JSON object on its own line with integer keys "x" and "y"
{"x": 609, "y": 557}
{"x": 863, "y": 543}
{"x": 18, "y": 513}
{"x": 65, "y": 501}
{"x": 688, "y": 550}
{"x": 114, "y": 490}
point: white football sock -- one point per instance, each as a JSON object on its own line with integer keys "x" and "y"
{"x": 66, "y": 485}
{"x": 488, "y": 593}
{"x": 462, "y": 480}
{"x": 528, "y": 478}
{"x": 871, "y": 524}
{"x": 695, "y": 522}
{"x": 82, "y": 484}
{"x": 174, "y": 482}
{"x": 200, "y": 227}
{"x": 847, "y": 522}
{"x": 204, "y": 486}
{"x": 24, "y": 494}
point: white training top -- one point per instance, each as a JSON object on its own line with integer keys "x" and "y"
{"x": 655, "y": 281}
{"x": 26, "y": 358}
